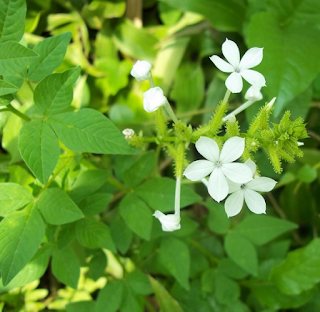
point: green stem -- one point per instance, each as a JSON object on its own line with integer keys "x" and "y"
{"x": 19, "y": 114}
{"x": 238, "y": 110}
{"x": 4, "y": 110}
{"x": 152, "y": 85}
{"x": 171, "y": 113}
{"x": 226, "y": 96}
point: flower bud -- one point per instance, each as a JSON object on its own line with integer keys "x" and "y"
{"x": 170, "y": 222}
{"x": 253, "y": 94}
{"x": 128, "y": 133}
{"x": 153, "y": 99}
{"x": 141, "y": 70}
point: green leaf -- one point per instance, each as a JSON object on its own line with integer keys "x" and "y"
{"x": 300, "y": 271}
{"x": 188, "y": 87}
{"x": 7, "y": 88}
{"x": 81, "y": 306}
{"x": 93, "y": 234}
{"x": 95, "y": 204}
{"x": 224, "y": 15}
{"x": 12, "y": 16}
{"x": 121, "y": 235}
{"x": 229, "y": 268}
{"x": 175, "y": 257}
{"x": 57, "y": 207}
{"x": 139, "y": 283}
{"x": 137, "y": 215}
{"x": 89, "y": 131}
{"x": 97, "y": 264}
{"x": 21, "y": 233}
{"x": 159, "y": 194}
{"x": 51, "y": 53}
{"x": 66, "y": 267}
{"x": 55, "y": 92}
{"x": 260, "y": 229}
{"x": 242, "y": 252}
{"x": 110, "y": 297}
{"x": 165, "y": 301}
{"x": 130, "y": 303}
{"x": 307, "y": 174}
{"x": 39, "y": 148}
{"x": 218, "y": 221}
{"x": 12, "y": 197}
{"x": 14, "y": 58}
{"x": 291, "y": 60}
{"x": 144, "y": 166}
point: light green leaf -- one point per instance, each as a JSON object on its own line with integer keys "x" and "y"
{"x": 66, "y": 267}
{"x": 12, "y": 16}
{"x": 139, "y": 283}
{"x": 110, "y": 297}
{"x": 51, "y": 52}
{"x": 300, "y": 271}
{"x": 57, "y": 207}
{"x": 121, "y": 235}
{"x": 224, "y": 15}
{"x": 242, "y": 252}
{"x": 159, "y": 194}
{"x": 137, "y": 215}
{"x": 291, "y": 59}
{"x": 165, "y": 301}
{"x": 12, "y": 197}
{"x": 260, "y": 229}
{"x": 54, "y": 93}
{"x": 175, "y": 257}
{"x": 218, "y": 221}
{"x": 93, "y": 234}
{"x": 21, "y": 233}
{"x": 7, "y": 88}
{"x": 39, "y": 148}
{"x": 14, "y": 58}
{"x": 89, "y": 131}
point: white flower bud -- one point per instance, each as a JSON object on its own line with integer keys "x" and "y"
{"x": 300, "y": 143}
{"x": 270, "y": 104}
{"x": 170, "y": 222}
{"x": 141, "y": 70}
{"x": 253, "y": 94}
{"x": 153, "y": 99}
{"x": 128, "y": 133}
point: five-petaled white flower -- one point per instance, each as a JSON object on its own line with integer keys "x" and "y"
{"x": 141, "y": 70}
{"x": 239, "y": 68}
{"x": 248, "y": 192}
{"x": 153, "y": 99}
{"x": 219, "y": 165}
{"x": 169, "y": 222}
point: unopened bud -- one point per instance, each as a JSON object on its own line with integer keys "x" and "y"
{"x": 141, "y": 70}
{"x": 128, "y": 133}
{"x": 270, "y": 104}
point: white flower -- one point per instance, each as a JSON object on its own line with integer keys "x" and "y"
{"x": 153, "y": 99}
{"x": 128, "y": 133}
{"x": 253, "y": 94}
{"x": 141, "y": 70}
{"x": 239, "y": 69}
{"x": 169, "y": 222}
{"x": 248, "y": 192}
{"x": 219, "y": 166}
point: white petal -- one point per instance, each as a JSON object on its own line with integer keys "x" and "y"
{"x": 234, "y": 83}
{"x": 253, "y": 77}
{"x": 231, "y": 52}
{"x": 198, "y": 169}
{"x": 261, "y": 184}
{"x": 141, "y": 70}
{"x": 251, "y": 165}
{"x": 170, "y": 222}
{"x": 153, "y": 99}
{"x": 234, "y": 203}
{"x": 208, "y": 148}
{"x": 237, "y": 172}
{"x": 221, "y": 64}
{"x": 253, "y": 94}
{"x": 251, "y": 58}
{"x": 218, "y": 185}
{"x": 233, "y": 187}
{"x": 254, "y": 201}
{"x": 232, "y": 149}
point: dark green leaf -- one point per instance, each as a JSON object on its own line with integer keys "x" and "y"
{"x": 21, "y": 233}
{"x": 97, "y": 265}
{"x": 57, "y": 207}
{"x": 39, "y": 148}
{"x": 121, "y": 235}
{"x": 137, "y": 215}
{"x": 89, "y": 131}
{"x": 51, "y": 52}
{"x": 139, "y": 283}
{"x": 218, "y": 221}
{"x": 66, "y": 267}
{"x": 110, "y": 297}
{"x": 81, "y": 306}
{"x": 307, "y": 174}
{"x": 95, "y": 204}
{"x": 12, "y": 197}
{"x": 175, "y": 257}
